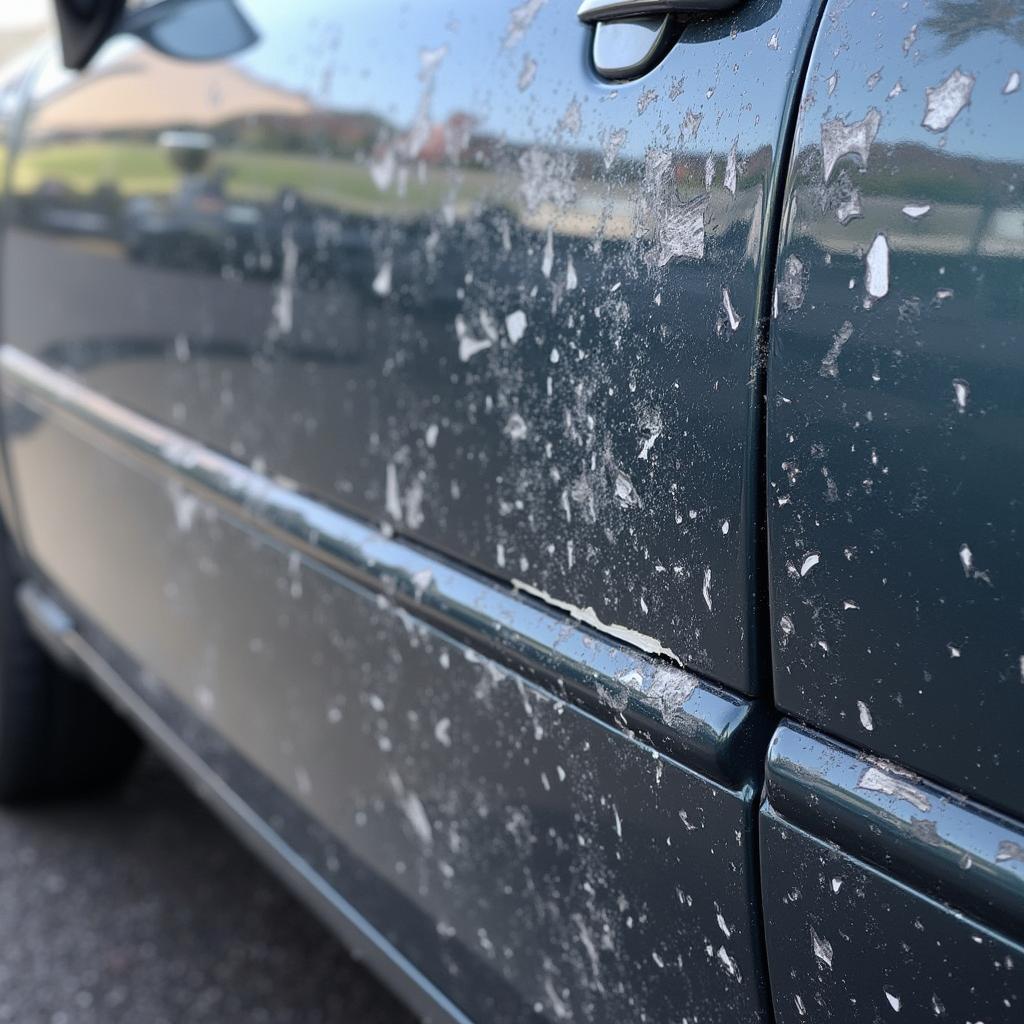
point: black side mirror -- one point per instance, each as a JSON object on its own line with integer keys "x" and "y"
{"x": 84, "y": 25}
{"x": 186, "y": 29}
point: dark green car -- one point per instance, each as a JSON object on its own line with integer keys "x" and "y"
{"x": 555, "y": 478}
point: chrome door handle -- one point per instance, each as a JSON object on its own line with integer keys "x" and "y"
{"x": 613, "y": 10}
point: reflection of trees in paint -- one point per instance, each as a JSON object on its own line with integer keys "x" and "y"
{"x": 956, "y": 21}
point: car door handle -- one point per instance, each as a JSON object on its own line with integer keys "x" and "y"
{"x": 613, "y": 10}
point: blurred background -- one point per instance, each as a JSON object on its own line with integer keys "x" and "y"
{"x": 21, "y": 23}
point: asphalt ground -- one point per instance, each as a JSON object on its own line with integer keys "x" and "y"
{"x": 139, "y": 906}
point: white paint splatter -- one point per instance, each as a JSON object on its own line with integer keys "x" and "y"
{"x": 547, "y": 261}
{"x": 944, "y": 102}
{"x": 876, "y": 273}
{"x": 468, "y": 345}
{"x": 443, "y": 731}
{"x": 839, "y": 139}
{"x": 1012, "y": 83}
{"x": 822, "y": 949}
{"x": 961, "y": 392}
{"x": 185, "y": 505}
{"x": 392, "y": 498}
{"x": 612, "y": 142}
{"x": 519, "y": 21}
{"x": 894, "y": 1000}
{"x": 728, "y": 963}
{"x": 866, "y": 721}
{"x": 515, "y": 324}
{"x": 809, "y": 562}
{"x": 729, "y": 181}
{"x": 416, "y": 814}
{"x": 916, "y": 210}
{"x": 527, "y": 73}
{"x": 571, "y": 281}
{"x": 284, "y": 297}
{"x": 382, "y": 282}
{"x": 849, "y": 208}
{"x": 706, "y": 589}
{"x": 516, "y": 428}
{"x": 589, "y": 617}
{"x": 877, "y": 781}
{"x": 830, "y": 364}
{"x": 730, "y": 311}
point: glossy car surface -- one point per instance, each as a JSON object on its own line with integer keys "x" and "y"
{"x": 534, "y": 500}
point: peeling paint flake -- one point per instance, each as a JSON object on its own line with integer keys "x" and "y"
{"x": 944, "y": 102}
{"x": 830, "y": 364}
{"x": 730, "y": 310}
{"x": 876, "y": 272}
{"x": 839, "y": 139}
{"x": 877, "y": 781}
{"x": 730, "y": 170}
{"x": 382, "y": 282}
{"x": 515, "y": 325}
{"x": 916, "y": 210}
{"x": 468, "y": 345}
{"x": 675, "y": 230}
{"x": 519, "y": 21}
{"x": 822, "y": 949}
{"x": 864, "y": 713}
{"x": 589, "y": 617}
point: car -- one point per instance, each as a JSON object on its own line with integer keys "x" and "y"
{"x": 552, "y": 477}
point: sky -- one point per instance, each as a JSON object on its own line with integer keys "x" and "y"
{"x": 23, "y": 14}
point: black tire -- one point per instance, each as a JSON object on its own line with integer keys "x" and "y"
{"x": 58, "y": 737}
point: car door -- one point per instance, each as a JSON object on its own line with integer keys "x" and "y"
{"x": 896, "y": 482}
{"x": 384, "y": 404}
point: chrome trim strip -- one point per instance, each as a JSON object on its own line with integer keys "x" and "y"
{"x": 716, "y": 733}
{"x": 915, "y": 831}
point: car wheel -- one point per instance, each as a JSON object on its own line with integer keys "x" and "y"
{"x": 58, "y": 737}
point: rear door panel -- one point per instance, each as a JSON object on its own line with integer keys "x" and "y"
{"x": 895, "y": 458}
{"x": 896, "y": 481}
{"x": 421, "y": 261}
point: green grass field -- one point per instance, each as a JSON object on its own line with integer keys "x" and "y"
{"x": 145, "y": 169}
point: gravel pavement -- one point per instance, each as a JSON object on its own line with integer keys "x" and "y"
{"x": 140, "y": 907}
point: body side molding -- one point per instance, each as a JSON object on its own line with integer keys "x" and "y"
{"x": 708, "y": 729}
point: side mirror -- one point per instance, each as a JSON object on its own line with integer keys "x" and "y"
{"x": 185, "y": 29}
{"x": 84, "y": 25}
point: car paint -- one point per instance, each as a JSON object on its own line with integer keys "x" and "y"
{"x": 895, "y": 458}
{"x": 445, "y": 280}
{"x": 895, "y": 487}
{"x": 335, "y": 510}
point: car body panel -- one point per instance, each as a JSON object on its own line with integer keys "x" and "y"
{"x": 391, "y": 427}
{"x": 895, "y": 454}
{"x": 884, "y": 894}
{"x": 526, "y": 858}
{"x": 445, "y": 278}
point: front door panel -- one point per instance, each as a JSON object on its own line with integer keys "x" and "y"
{"x": 420, "y": 260}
